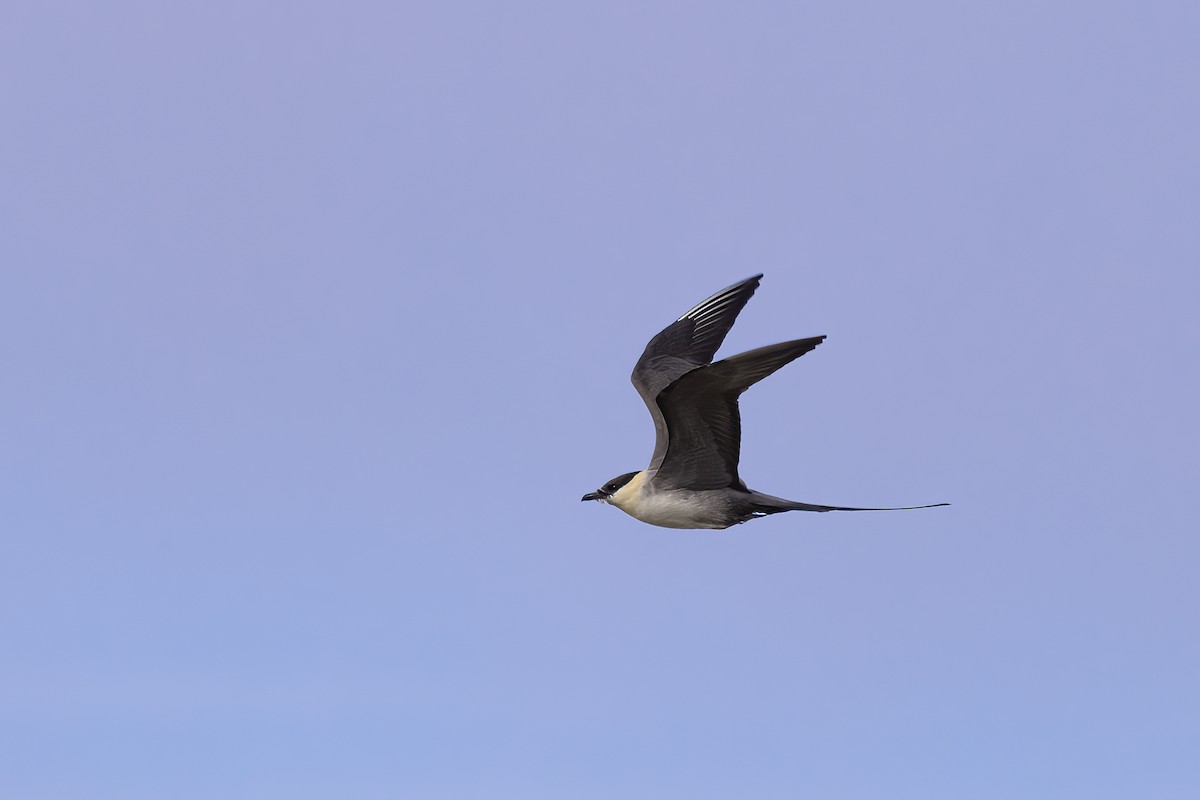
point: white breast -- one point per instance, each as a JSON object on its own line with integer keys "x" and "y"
{"x": 667, "y": 509}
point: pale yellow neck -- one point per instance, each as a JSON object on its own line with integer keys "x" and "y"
{"x": 626, "y": 497}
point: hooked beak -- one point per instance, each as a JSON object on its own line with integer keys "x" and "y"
{"x": 592, "y": 496}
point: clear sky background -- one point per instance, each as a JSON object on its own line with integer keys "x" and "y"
{"x": 316, "y": 322}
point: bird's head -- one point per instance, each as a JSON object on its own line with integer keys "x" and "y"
{"x": 605, "y": 492}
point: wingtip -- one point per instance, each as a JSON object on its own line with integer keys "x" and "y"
{"x": 753, "y": 279}
{"x": 738, "y": 293}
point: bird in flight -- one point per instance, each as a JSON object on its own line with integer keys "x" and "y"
{"x": 692, "y": 480}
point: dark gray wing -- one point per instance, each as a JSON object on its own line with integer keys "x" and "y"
{"x": 702, "y": 419}
{"x": 687, "y": 343}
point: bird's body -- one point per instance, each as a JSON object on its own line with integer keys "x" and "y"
{"x": 692, "y": 480}
{"x": 673, "y": 508}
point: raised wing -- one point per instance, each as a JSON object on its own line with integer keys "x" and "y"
{"x": 704, "y": 426}
{"x": 686, "y": 344}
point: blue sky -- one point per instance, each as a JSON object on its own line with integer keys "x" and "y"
{"x": 317, "y": 321}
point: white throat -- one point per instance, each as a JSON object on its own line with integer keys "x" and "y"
{"x": 626, "y": 498}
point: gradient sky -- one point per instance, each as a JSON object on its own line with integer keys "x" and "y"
{"x": 317, "y": 320}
